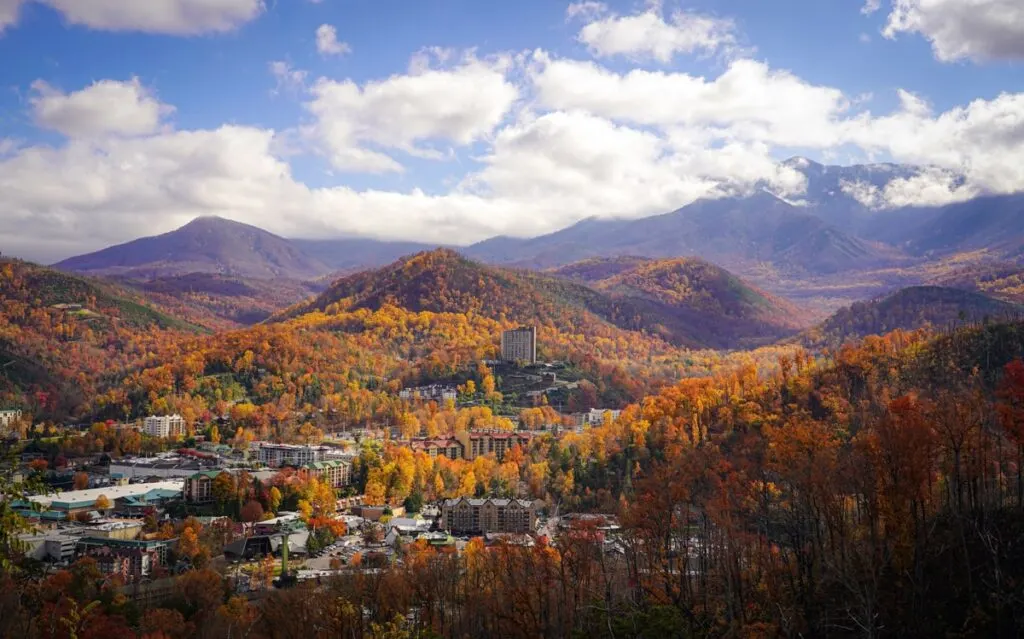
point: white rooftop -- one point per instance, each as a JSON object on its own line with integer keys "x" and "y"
{"x": 112, "y": 492}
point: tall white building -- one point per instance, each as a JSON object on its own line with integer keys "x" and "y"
{"x": 520, "y": 345}
{"x": 164, "y": 426}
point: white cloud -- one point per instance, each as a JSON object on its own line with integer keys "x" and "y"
{"x": 933, "y": 187}
{"x": 748, "y": 101}
{"x": 287, "y": 77}
{"x": 176, "y": 17}
{"x": 107, "y": 107}
{"x": 9, "y": 12}
{"x": 585, "y": 141}
{"x": 457, "y": 105}
{"x": 963, "y": 29}
{"x": 864, "y": 192}
{"x": 587, "y": 9}
{"x": 327, "y": 41}
{"x": 871, "y": 6}
{"x": 982, "y": 140}
{"x": 649, "y": 35}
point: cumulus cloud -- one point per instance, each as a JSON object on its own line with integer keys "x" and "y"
{"x": 176, "y": 17}
{"x": 932, "y": 187}
{"x": 9, "y": 12}
{"x": 588, "y": 9}
{"x": 287, "y": 77}
{"x": 749, "y": 100}
{"x": 107, "y": 107}
{"x": 649, "y": 35}
{"x": 963, "y": 29}
{"x": 327, "y": 41}
{"x": 457, "y": 105}
{"x": 871, "y": 6}
{"x": 542, "y": 142}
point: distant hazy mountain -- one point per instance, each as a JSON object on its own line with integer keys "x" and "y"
{"x": 738, "y": 233}
{"x": 355, "y": 253}
{"x": 204, "y": 245}
{"x": 993, "y": 223}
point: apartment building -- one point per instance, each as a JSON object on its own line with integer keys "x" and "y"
{"x": 164, "y": 426}
{"x": 435, "y": 392}
{"x": 520, "y": 345}
{"x": 276, "y": 455}
{"x": 477, "y": 443}
{"x": 336, "y": 472}
{"x": 199, "y": 486}
{"x": 479, "y": 516}
{"x": 444, "y": 447}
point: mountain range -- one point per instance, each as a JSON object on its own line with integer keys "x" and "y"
{"x": 827, "y": 249}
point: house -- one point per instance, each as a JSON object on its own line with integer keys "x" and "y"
{"x": 477, "y": 516}
{"x": 164, "y": 426}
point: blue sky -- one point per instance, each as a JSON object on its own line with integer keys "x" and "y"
{"x": 454, "y": 120}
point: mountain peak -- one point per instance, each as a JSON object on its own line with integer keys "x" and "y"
{"x": 207, "y": 244}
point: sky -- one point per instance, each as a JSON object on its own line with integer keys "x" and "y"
{"x": 451, "y": 121}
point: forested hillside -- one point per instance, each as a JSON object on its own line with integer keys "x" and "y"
{"x": 61, "y": 336}
{"x": 934, "y": 307}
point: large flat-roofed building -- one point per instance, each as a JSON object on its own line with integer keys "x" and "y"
{"x": 164, "y": 426}
{"x": 76, "y": 501}
{"x": 520, "y": 345}
{"x": 478, "y": 516}
{"x": 168, "y": 466}
{"x": 275, "y": 455}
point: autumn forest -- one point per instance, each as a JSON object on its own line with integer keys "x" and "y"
{"x": 773, "y": 471}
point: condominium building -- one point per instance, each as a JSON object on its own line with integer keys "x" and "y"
{"x": 520, "y": 345}
{"x": 595, "y": 417}
{"x": 164, "y": 426}
{"x": 336, "y": 472}
{"x": 478, "y": 443}
{"x": 276, "y": 455}
{"x": 446, "y": 447}
{"x": 477, "y": 516}
{"x": 435, "y": 392}
{"x": 199, "y": 487}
